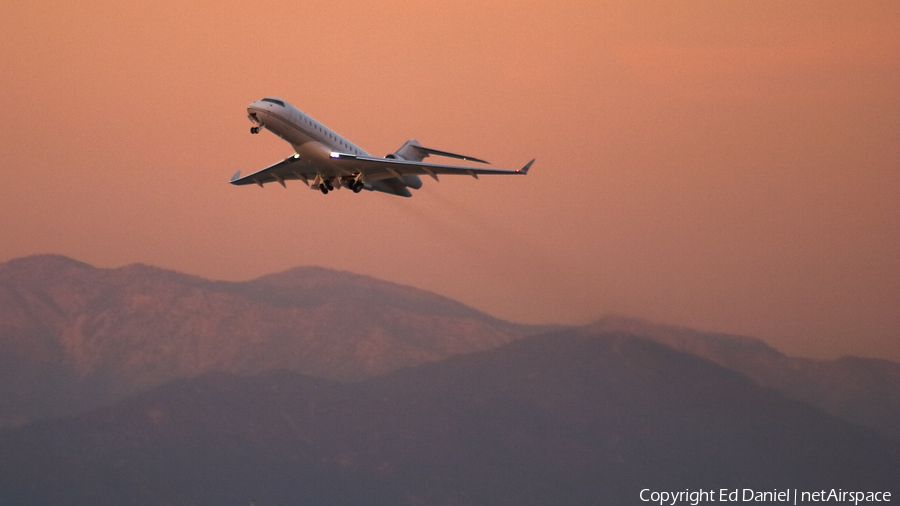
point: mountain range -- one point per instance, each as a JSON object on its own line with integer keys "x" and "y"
{"x": 73, "y": 337}
{"x": 145, "y": 386}
{"x": 560, "y": 418}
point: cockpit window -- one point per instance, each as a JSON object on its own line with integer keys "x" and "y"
{"x": 274, "y": 101}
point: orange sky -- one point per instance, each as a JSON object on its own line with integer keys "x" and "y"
{"x": 729, "y": 166}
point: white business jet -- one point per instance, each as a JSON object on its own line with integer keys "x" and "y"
{"x": 325, "y": 161}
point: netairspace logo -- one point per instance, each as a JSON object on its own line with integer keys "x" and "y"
{"x": 790, "y": 496}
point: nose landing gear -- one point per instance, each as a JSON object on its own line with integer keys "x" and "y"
{"x": 259, "y": 124}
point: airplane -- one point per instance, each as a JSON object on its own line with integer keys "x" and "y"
{"x": 325, "y": 161}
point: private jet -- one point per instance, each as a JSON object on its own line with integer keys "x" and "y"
{"x": 326, "y": 161}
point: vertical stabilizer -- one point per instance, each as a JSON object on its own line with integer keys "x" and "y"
{"x": 411, "y": 150}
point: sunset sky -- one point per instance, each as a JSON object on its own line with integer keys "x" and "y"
{"x": 728, "y": 166}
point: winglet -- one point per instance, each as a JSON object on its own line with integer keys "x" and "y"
{"x": 236, "y": 176}
{"x": 524, "y": 170}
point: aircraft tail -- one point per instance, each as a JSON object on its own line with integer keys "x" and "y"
{"x": 413, "y": 151}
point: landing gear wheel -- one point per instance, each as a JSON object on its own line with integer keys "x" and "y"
{"x": 254, "y": 130}
{"x": 357, "y": 187}
{"x": 329, "y": 185}
{"x": 323, "y": 188}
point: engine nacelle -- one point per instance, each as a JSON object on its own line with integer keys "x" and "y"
{"x": 412, "y": 181}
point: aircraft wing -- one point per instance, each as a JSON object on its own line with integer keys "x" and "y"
{"x": 279, "y": 172}
{"x": 383, "y": 168}
{"x": 372, "y": 169}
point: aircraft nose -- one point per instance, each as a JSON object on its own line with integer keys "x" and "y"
{"x": 256, "y": 110}
{"x": 259, "y": 109}
{"x": 257, "y": 116}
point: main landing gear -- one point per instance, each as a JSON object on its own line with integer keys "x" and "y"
{"x": 327, "y": 185}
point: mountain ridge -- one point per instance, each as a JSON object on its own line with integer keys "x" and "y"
{"x": 74, "y": 337}
{"x": 565, "y": 417}
{"x": 865, "y": 391}
{"x": 96, "y": 335}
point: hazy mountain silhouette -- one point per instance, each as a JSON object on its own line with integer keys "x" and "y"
{"x": 860, "y": 390}
{"x": 563, "y": 418}
{"x": 74, "y": 337}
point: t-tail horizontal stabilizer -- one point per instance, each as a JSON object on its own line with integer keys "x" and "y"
{"x": 413, "y": 151}
{"x": 448, "y": 154}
